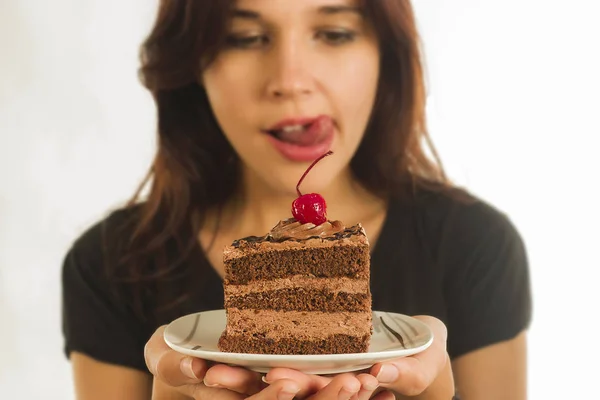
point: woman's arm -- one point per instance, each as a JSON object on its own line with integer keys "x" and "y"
{"x": 494, "y": 372}
{"x": 95, "y": 380}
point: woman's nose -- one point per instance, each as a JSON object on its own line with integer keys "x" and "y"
{"x": 289, "y": 72}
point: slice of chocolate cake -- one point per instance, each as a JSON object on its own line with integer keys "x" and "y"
{"x": 301, "y": 289}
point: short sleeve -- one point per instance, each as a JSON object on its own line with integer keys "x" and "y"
{"x": 487, "y": 284}
{"x": 95, "y": 322}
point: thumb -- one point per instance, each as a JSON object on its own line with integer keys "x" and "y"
{"x": 170, "y": 366}
{"x": 411, "y": 375}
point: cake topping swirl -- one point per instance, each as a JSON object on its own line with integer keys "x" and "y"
{"x": 333, "y": 230}
{"x": 293, "y": 229}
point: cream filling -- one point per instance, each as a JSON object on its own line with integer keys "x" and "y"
{"x": 343, "y": 284}
{"x": 299, "y": 324}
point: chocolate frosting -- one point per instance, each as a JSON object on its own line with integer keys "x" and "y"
{"x": 293, "y": 229}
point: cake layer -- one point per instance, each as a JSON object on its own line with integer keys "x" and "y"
{"x": 350, "y": 261}
{"x": 257, "y": 344}
{"x": 299, "y": 293}
{"x": 302, "y": 299}
{"x": 300, "y": 325}
{"x": 343, "y": 284}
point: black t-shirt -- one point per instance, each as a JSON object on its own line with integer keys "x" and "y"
{"x": 463, "y": 263}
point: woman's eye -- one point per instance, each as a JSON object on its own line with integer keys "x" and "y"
{"x": 337, "y": 37}
{"x": 247, "y": 42}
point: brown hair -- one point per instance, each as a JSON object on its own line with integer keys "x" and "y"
{"x": 195, "y": 168}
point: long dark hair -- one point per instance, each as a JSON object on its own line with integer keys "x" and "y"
{"x": 195, "y": 168}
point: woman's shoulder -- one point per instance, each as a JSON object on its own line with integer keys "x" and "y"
{"x": 451, "y": 218}
{"x": 481, "y": 261}
{"x": 459, "y": 210}
{"x": 98, "y": 240}
{"x": 96, "y": 319}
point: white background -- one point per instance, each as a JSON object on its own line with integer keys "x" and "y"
{"x": 514, "y": 111}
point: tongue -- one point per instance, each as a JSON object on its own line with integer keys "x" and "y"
{"x": 312, "y": 134}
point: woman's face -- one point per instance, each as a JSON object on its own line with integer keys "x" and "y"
{"x": 297, "y": 78}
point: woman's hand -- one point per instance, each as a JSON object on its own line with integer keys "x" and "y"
{"x": 196, "y": 378}
{"x": 341, "y": 387}
{"x": 193, "y": 377}
{"x": 427, "y": 374}
{"x": 175, "y": 373}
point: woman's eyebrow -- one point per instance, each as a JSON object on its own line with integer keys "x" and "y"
{"x": 340, "y": 9}
{"x": 245, "y": 14}
{"x": 328, "y": 10}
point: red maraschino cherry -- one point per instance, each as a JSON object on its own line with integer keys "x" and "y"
{"x": 310, "y": 207}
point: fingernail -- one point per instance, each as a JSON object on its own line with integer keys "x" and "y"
{"x": 264, "y": 379}
{"x": 387, "y": 374}
{"x": 346, "y": 393}
{"x": 288, "y": 392}
{"x": 370, "y": 386}
{"x": 349, "y": 390}
{"x": 186, "y": 367}
{"x": 212, "y": 385}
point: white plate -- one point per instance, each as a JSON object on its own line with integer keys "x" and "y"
{"x": 394, "y": 336}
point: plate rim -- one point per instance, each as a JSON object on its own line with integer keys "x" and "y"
{"x": 379, "y": 355}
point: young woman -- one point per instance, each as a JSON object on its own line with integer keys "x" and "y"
{"x": 248, "y": 92}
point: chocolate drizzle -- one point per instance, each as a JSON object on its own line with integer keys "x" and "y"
{"x": 292, "y": 230}
{"x": 393, "y": 332}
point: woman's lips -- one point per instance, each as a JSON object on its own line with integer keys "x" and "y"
{"x": 305, "y": 144}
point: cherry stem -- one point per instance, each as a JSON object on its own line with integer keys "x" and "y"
{"x": 309, "y": 168}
